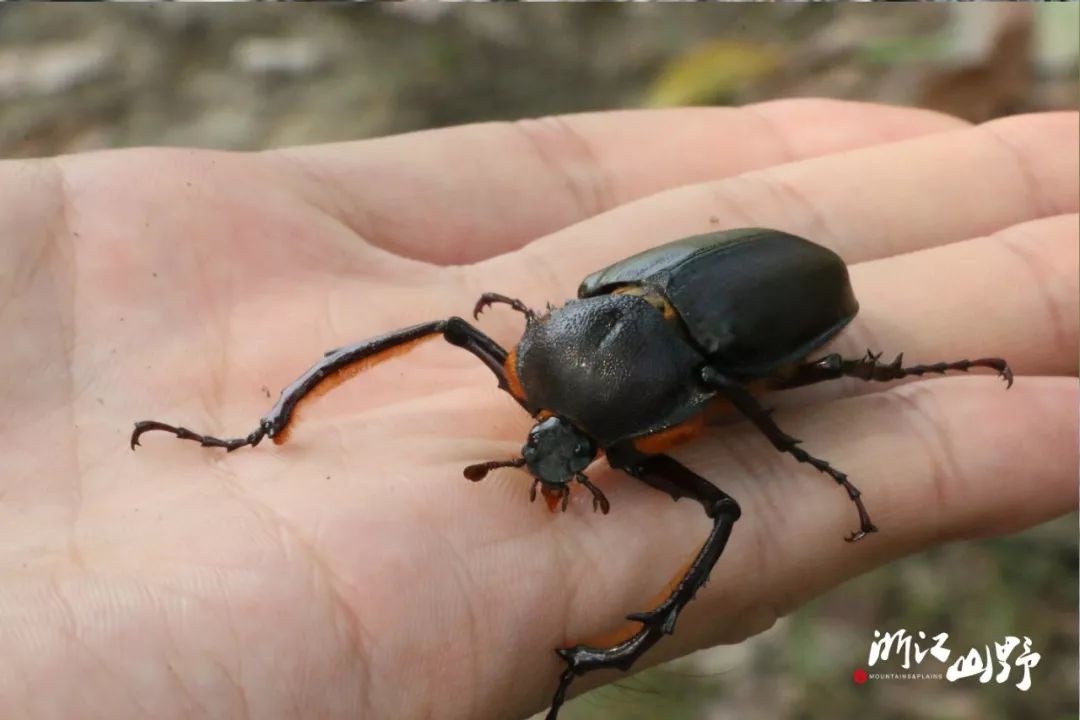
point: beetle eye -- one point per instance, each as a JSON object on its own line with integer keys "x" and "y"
{"x": 579, "y": 448}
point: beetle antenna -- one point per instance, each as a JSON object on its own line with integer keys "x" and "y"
{"x": 480, "y": 470}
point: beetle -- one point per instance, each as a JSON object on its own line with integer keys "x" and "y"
{"x": 628, "y": 368}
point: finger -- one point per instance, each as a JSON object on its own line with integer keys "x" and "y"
{"x": 937, "y": 461}
{"x": 1010, "y": 295}
{"x": 865, "y": 204}
{"x": 466, "y": 193}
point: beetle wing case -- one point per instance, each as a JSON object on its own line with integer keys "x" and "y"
{"x": 752, "y": 299}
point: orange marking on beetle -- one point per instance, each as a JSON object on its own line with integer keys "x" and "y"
{"x": 552, "y": 498}
{"x": 613, "y": 637}
{"x": 663, "y": 440}
{"x": 652, "y": 297}
{"x": 655, "y": 444}
{"x": 719, "y": 408}
{"x": 671, "y": 584}
{"x": 512, "y": 379}
{"x": 339, "y": 376}
{"x": 632, "y": 628}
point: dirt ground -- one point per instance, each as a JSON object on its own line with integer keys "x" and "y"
{"x": 263, "y": 75}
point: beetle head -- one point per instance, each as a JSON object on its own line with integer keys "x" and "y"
{"x": 556, "y": 452}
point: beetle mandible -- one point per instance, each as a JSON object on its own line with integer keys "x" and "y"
{"x": 628, "y": 369}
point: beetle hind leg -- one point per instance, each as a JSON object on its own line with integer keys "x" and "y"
{"x": 488, "y": 299}
{"x": 664, "y": 473}
{"x": 868, "y": 367}
{"x": 599, "y": 499}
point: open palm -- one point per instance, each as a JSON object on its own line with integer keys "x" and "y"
{"x": 353, "y": 572}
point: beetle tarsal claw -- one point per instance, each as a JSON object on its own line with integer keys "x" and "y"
{"x": 862, "y": 532}
{"x": 599, "y": 500}
{"x": 483, "y": 303}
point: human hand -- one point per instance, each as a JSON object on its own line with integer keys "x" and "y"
{"x": 353, "y": 572}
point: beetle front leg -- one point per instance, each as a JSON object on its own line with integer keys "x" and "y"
{"x": 488, "y": 299}
{"x": 832, "y": 367}
{"x": 338, "y": 366}
{"x": 667, "y": 474}
{"x": 747, "y": 404}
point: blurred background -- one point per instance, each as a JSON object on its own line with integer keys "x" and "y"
{"x": 76, "y": 78}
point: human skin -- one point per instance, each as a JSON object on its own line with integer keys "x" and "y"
{"x": 353, "y": 572}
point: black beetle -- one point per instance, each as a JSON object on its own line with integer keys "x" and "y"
{"x": 628, "y": 368}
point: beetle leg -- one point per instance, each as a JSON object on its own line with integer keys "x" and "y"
{"x": 183, "y": 433}
{"x": 747, "y": 404}
{"x": 488, "y": 299}
{"x": 554, "y": 496}
{"x": 340, "y": 365}
{"x": 868, "y": 368}
{"x": 599, "y": 500}
{"x": 659, "y": 471}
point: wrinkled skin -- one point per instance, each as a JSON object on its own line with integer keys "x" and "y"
{"x": 353, "y": 572}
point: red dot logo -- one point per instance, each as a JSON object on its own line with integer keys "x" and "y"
{"x": 859, "y": 676}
